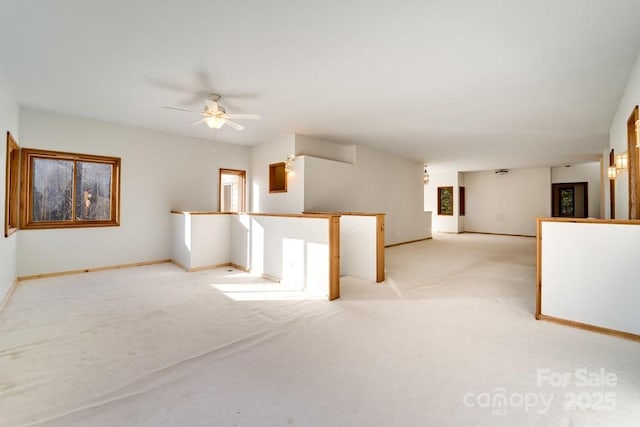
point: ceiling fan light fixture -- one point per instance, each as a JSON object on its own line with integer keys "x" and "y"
{"x": 215, "y": 116}
{"x": 214, "y": 122}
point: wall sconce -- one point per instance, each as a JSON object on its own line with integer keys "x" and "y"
{"x": 425, "y": 176}
{"x": 622, "y": 161}
{"x": 289, "y": 162}
{"x": 612, "y": 172}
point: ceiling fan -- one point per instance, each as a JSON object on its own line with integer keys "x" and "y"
{"x": 215, "y": 116}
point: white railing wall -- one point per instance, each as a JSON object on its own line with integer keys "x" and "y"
{"x": 301, "y": 251}
{"x": 200, "y": 239}
{"x": 589, "y": 274}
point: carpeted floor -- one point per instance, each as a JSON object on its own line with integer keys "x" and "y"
{"x": 448, "y": 340}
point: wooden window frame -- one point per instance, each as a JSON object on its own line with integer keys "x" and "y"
{"x": 440, "y": 191}
{"x": 556, "y": 188}
{"x": 612, "y": 187}
{"x": 277, "y": 185}
{"x": 633, "y": 162}
{"x": 26, "y": 199}
{"x": 243, "y": 188}
{"x": 11, "y": 202}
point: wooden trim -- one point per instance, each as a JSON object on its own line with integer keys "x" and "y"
{"x": 239, "y": 267}
{"x": 495, "y": 234}
{"x": 538, "y": 267}
{"x": 283, "y": 215}
{"x": 11, "y": 203}
{"x": 26, "y": 210}
{"x": 380, "y": 256}
{"x": 5, "y": 299}
{"x": 243, "y": 190}
{"x": 201, "y": 268}
{"x": 408, "y": 242}
{"x": 380, "y": 260}
{"x": 334, "y": 258}
{"x": 633, "y": 166}
{"x": 280, "y": 215}
{"x": 612, "y": 186}
{"x": 271, "y": 278}
{"x": 209, "y": 267}
{"x": 592, "y": 328}
{"x": 93, "y": 269}
{"x": 343, "y": 213}
{"x": 202, "y": 213}
{"x": 593, "y": 221}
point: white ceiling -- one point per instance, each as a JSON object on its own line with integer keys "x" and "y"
{"x": 460, "y": 84}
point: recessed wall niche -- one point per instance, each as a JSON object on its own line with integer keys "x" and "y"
{"x": 277, "y": 178}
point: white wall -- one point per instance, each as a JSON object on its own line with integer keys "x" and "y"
{"x": 292, "y": 201}
{"x": 241, "y": 240}
{"x": 377, "y": 182}
{"x": 358, "y": 246}
{"x": 200, "y": 241}
{"x": 444, "y": 223}
{"x": 295, "y": 250}
{"x": 589, "y": 274}
{"x": 159, "y": 172}
{"x": 8, "y": 246}
{"x": 583, "y": 172}
{"x": 508, "y": 203}
{"x": 618, "y": 138}
{"x": 309, "y": 146}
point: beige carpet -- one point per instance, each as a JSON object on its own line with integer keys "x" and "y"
{"x": 449, "y": 339}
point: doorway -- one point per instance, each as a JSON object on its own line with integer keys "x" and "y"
{"x": 570, "y": 200}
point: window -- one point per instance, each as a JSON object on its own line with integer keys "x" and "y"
{"x": 69, "y": 190}
{"x": 445, "y": 200}
{"x": 232, "y": 190}
{"x": 277, "y": 178}
{"x": 11, "y": 195}
{"x": 570, "y": 199}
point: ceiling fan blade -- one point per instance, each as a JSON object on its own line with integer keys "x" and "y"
{"x": 179, "y": 109}
{"x": 243, "y": 116}
{"x": 195, "y": 122}
{"x": 211, "y": 105}
{"x": 234, "y": 125}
